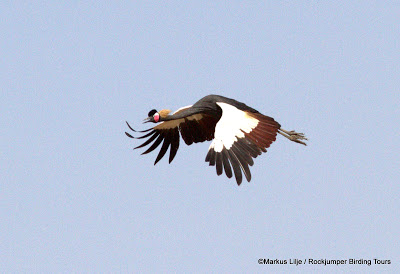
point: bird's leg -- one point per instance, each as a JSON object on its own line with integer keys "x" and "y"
{"x": 293, "y": 136}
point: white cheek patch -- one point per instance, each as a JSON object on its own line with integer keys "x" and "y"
{"x": 231, "y": 126}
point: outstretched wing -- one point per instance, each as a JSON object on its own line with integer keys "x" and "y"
{"x": 170, "y": 138}
{"x": 194, "y": 128}
{"x": 240, "y": 136}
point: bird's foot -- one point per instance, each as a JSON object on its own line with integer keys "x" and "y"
{"x": 293, "y": 136}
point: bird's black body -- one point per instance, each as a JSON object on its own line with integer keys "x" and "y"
{"x": 239, "y": 133}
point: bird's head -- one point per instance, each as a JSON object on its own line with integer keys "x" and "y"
{"x": 155, "y": 116}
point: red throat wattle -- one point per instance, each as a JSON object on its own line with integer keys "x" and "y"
{"x": 156, "y": 117}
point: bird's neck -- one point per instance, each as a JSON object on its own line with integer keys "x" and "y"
{"x": 183, "y": 114}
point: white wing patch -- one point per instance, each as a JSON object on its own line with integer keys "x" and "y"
{"x": 231, "y": 126}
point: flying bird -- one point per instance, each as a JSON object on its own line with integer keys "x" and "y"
{"x": 238, "y": 132}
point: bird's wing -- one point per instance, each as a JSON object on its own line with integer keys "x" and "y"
{"x": 194, "y": 128}
{"x": 240, "y": 136}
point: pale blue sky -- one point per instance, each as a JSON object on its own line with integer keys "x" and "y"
{"x": 75, "y": 197}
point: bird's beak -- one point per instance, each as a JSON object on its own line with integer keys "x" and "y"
{"x": 146, "y": 120}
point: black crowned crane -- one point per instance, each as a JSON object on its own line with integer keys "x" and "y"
{"x": 238, "y": 132}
